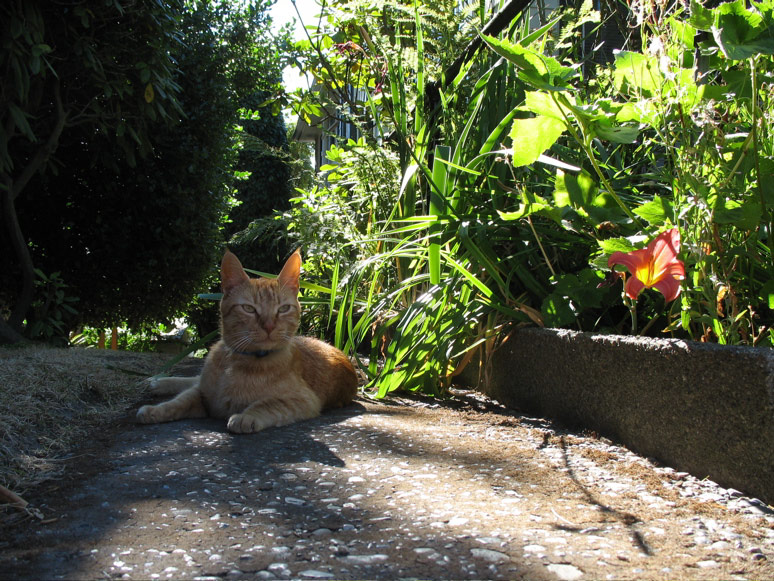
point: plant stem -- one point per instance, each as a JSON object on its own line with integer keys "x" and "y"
{"x": 632, "y": 304}
{"x": 756, "y": 158}
{"x": 648, "y": 326}
{"x": 540, "y": 245}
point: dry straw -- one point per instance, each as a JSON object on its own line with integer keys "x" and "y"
{"x": 50, "y": 399}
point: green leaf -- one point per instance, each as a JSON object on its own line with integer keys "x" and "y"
{"x": 541, "y": 103}
{"x": 637, "y": 74}
{"x": 616, "y": 245}
{"x": 538, "y": 70}
{"x": 656, "y": 212}
{"x": 588, "y": 295}
{"x": 766, "y": 294}
{"x": 20, "y": 120}
{"x": 582, "y": 288}
{"x": 701, "y": 18}
{"x": 557, "y": 311}
{"x": 615, "y": 133}
{"x": 745, "y": 215}
{"x": 531, "y": 204}
{"x": 40, "y": 49}
{"x": 643, "y": 111}
{"x": 575, "y": 190}
{"x": 684, "y": 32}
{"x": 531, "y": 137}
{"x": 740, "y": 32}
{"x": 537, "y": 34}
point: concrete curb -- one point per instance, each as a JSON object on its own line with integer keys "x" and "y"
{"x": 702, "y": 408}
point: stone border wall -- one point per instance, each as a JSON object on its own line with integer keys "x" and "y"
{"x": 701, "y": 408}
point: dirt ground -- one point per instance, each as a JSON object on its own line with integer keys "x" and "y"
{"x": 401, "y": 489}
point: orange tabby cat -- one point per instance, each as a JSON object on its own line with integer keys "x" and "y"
{"x": 259, "y": 374}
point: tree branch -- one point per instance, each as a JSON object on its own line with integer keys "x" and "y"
{"x": 14, "y": 187}
{"x": 494, "y": 27}
{"x": 44, "y": 152}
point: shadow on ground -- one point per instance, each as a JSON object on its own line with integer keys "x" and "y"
{"x": 379, "y": 490}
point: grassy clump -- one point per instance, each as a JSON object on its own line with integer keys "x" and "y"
{"x": 50, "y": 399}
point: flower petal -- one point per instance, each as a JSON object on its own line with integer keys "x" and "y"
{"x": 633, "y": 287}
{"x": 663, "y": 251}
{"x": 676, "y": 270}
{"x": 655, "y": 266}
{"x": 669, "y": 287}
{"x": 631, "y": 260}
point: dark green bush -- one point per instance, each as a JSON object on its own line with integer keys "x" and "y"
{"x": 136, "y": 237}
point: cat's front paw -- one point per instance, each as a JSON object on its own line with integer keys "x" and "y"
{"x": 152, "y": 384}
{"x": 245, "y": 424}
{"x": 148, "y": 414}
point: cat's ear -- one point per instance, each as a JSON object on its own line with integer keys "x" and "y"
{"x": 289, "y": 275}
{"x": 231, "y": 272}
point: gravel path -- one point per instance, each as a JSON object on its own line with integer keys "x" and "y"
{"x": 387, "y": 490}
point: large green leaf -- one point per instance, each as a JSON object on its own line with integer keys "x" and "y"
{"x": 536, "y": 69}
{"x": 656, "y": 212}
{"x": 541, "y": 103}
{"x": 616, "y": 245}
{"x": 575, "y": 190}
{"x": 743, "y": 32}
{"x": 625, "y": 134}
{"x": 740, "y": 32}
{"x": 744, "y": 214}
{"x": 557, "y": 311}
{"x": 531, "y": 137}
{"x": 701, "y": 17}
{"x": 683, "y": 31}
{"x": 583, "y": 288}
{"x": 637, "y": 74}
{"x": 643, "y": 111}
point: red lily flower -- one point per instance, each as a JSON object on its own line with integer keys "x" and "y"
{"x": 656, "y": 266}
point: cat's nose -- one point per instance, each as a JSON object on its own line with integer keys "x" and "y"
{"x": 268, "y": 325}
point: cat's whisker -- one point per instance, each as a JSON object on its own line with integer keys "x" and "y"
{"x": 235, "y": 339}
{"x": 241, "y": 342}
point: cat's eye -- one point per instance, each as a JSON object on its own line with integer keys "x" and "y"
{"x": 248, "y": 308}
{"x": 283, "y": 309}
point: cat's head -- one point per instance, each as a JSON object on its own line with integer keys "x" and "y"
{"x": 259, "y": 314}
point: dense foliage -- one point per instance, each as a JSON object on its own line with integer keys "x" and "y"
{"x": 509, "y": 178}
{"x": 117, "y": 169}
{"x": 264, "y": 188}
{"x": 73, "y": 68}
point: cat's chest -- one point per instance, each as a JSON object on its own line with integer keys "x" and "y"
{"x": 226, "y": 401}
{"x": 237, "y": 387}
{"x": 232, "y": 394}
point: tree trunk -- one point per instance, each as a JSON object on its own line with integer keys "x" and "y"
{"x": 21, "y": 251}
{"x": 11, "y": 329}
